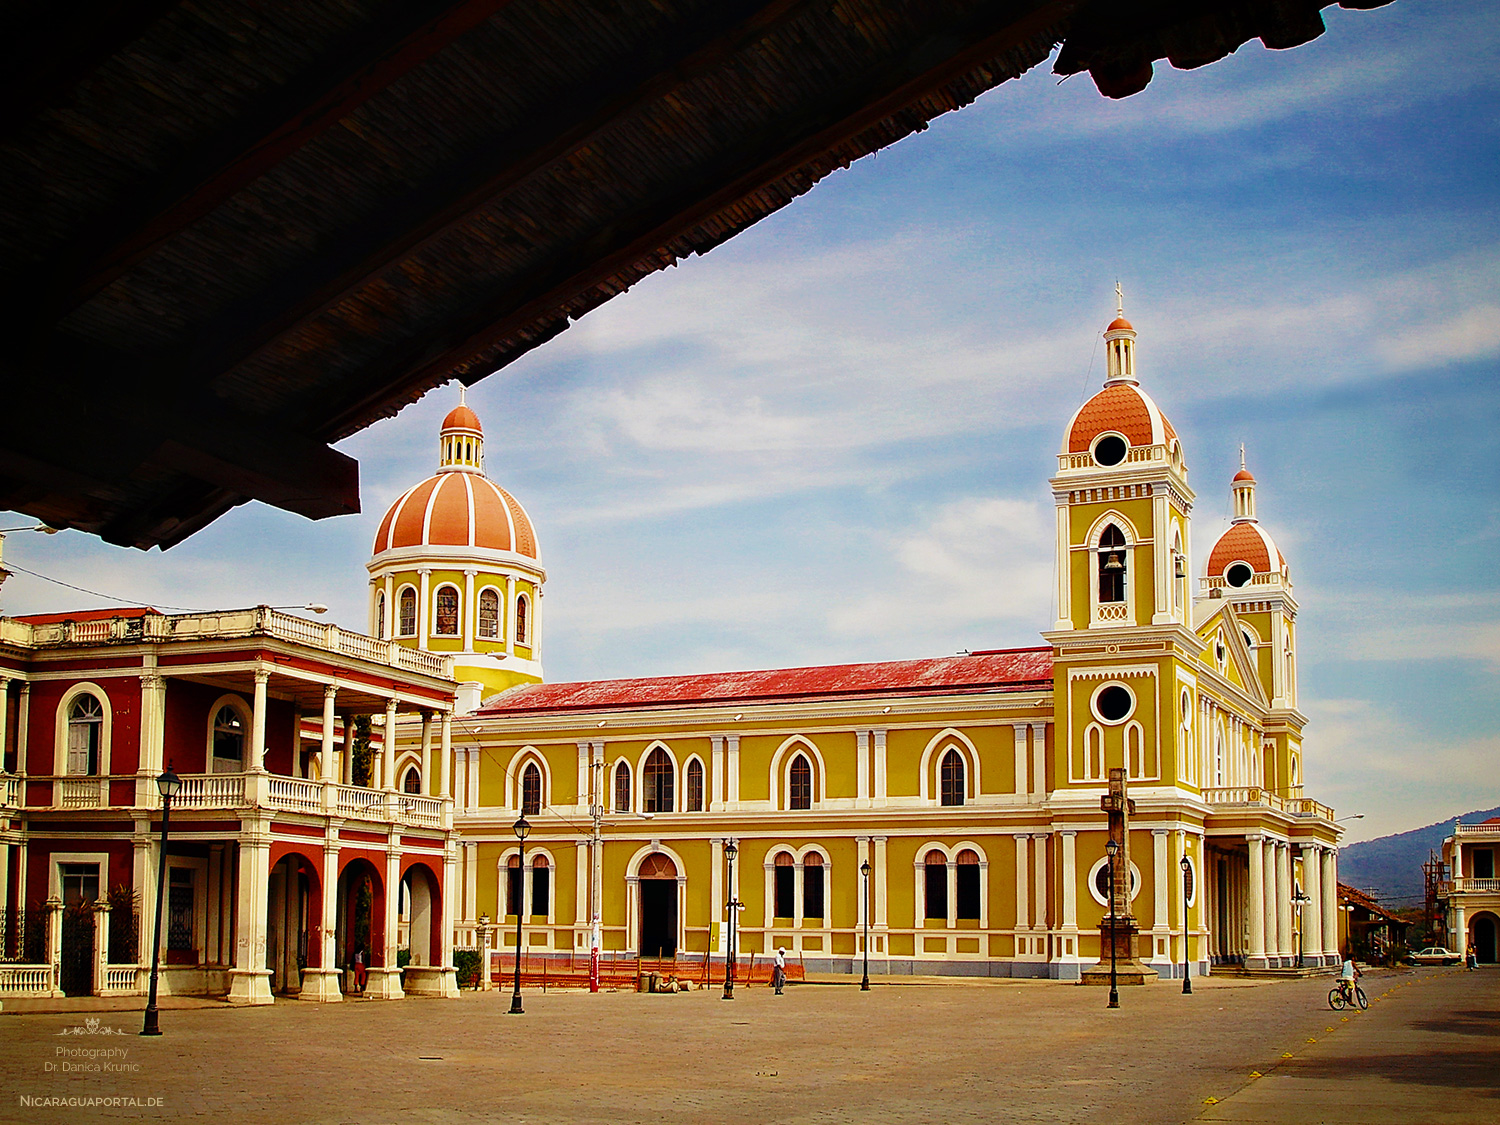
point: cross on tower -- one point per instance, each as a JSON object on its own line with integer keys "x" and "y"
{"x": 1119, "y": 300}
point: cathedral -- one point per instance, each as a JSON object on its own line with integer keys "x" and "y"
{"x": 928, "y": 815}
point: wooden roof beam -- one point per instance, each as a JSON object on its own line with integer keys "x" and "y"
{"x": 459, "y": 190}
{"x": 350, "y": 73}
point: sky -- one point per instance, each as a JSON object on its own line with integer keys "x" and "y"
{"x": 829, "y": 439}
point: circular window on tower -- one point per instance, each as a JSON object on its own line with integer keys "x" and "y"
{"x": 1238, "y": 574}
{"x": 1113, "y": 703}
{"x": 1110, "y": 449}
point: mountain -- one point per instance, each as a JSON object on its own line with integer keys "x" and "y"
{"x": 1389, "y": 868}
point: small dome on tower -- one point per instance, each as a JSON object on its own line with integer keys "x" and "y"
{"x": 1246, "y": 549}
{"x": 1120, "y": 324}
{"x": 1123, "y": 411}
{"x": 462, "y": 418}
{"x": 1244, "y": 475}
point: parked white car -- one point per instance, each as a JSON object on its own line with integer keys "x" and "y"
{"x": 1434, "y": 955}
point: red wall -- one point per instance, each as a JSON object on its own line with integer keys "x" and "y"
{"x": 124, "y": 694}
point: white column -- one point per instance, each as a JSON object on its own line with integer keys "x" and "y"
{"x": 23, "y": 724}
{"x": 348, "y": 749}
{"x": 424, "y": 611}
{"x": 470, "y": 610}
{"x": 330, "y": 692}
{"x": 388, "y": 747}
{"x": 1162, "y": 557}
{"x": 797, "y": 901}
{"x": 5, "y": 715}
{"x": 1069, "y": 880}
{"x": 583, "y": 779}
{"x": 471, "y": 880}
{"x": 1284, "y": 900}
{"x": 449, "y": 985}
{"x": 1161, "y": 922}
{"x": 321, "y": 981}
{"x": 862, "y": 769}
{"x": 257, "y": 754}
{"x": 218, "y": 917}
{"x": 510, "y": 615}
{"x": 152, "y": 740}
{"x": 1256, "y": 956}
{"x": 1312, "y": 912}
{"x": 1022, "y": 788}
{"x": 385, "y": 981}
{"x": 427, "y": 753}
{"x": 445, "y": 759}
{"x": 1460, "y": 935}
{"x": 878, "y": 798}
{"x": 882, "y": 867}
{"x": 1039, "y": 762}
{"x": 716, "y": 781}
{"x": 1064, "y": 565}
{"x": 732, "y": 771}
{"x": 389, "y": 629}
{"x": 1039, "y": 916}
{"x": 250, "y": 980}
{"x": 861, "y": 856}
{"x": 1023, "y": 879}
{"x": 718, "y": 917}
{"x": 1330, "y": 887}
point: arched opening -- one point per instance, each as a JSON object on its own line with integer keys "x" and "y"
{"x": 489, "y": 614}
{"x": 445, "y": 619}
{"x": 657, "y": 783}
{"x": 658, "y": 889}
{"x": 407, "y": 611}
{"x": 812, "y": 886}
{"x": 1112, "y": 565}
{"x": 294, "y": 903}
{"x": 541, "y": 887}
{"x": 799, "y": 789}
{"x": 522, "y": 616}
{"x": 1485, "y": 939}
{"x": 85, "y": 736}
{"x": 622, "y": 787}
{"x": 694, "y": 794}
{"x": 935, "y": 876}
{"x": 380, "y": 614}
{"x": 229, "y": 741}
{"x": 412, "y": 782}
{"x": 531, "y": 790}
{"x": 421, "y": 898}
{"x": 952, "y": 770}
{"x": 967, "y": 889}
{"x": 360, "y": 936}
{"x": 514, "y": 902}
{"x": 784, "y": 886}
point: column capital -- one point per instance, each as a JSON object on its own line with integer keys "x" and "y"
{"x": 1068, "y": 833}
{"x": 470, "y": 572}
{"x": 1160, "y": 831}
{"x": 330, "y": 691}
{"x": 262, "y": 676}
{"x": 1021, "y": 835}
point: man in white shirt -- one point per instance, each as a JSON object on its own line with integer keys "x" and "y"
{"x": 778, "y": 976}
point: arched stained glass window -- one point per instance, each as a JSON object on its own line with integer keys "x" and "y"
{"x": 952, "y": 770}
{"x": 522, "y": 616}
{"x": 622, "y": 787}
{"x": 408, "y": 611}
{"x": 800, "y": 792}
{"x": 489, "y": 613}
{"x": 531, "y": 790}
{"x": 694, "y": 794}
{"x": 657, "y": 783}
{"x": 446, "y": 621}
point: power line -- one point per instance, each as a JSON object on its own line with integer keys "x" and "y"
{"x": 95, "y": 593}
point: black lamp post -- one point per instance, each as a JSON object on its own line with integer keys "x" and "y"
{"x": 167, "y": 785}
{"x": 1187, "y": 893}
{"x": 522, "y": 827}
{"x": 1112, "y": 848}
{"x": 1301, "y": 899}
{"x": 864, "y": 869}
{"x": 730, "y": 851}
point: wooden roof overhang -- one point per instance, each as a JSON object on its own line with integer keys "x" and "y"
{"x": 233, "y": 232}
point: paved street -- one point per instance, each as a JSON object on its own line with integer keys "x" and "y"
{"x": 931, "y": 1051}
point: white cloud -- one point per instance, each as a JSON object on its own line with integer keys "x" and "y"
{"x": 1403, "y": 627}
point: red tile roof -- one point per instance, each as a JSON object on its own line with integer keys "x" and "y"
{"x": 88, "y": 615}
{"x": 1005, "y": 670}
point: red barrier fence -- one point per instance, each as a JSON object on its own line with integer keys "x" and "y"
{"x": 619, "y": 971}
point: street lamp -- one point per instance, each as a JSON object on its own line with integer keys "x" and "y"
{"x": 864, "y": 869}
{"x": 730, "y": 851}
{"x": 521, "y": 827}
{"x": 167, "y": 785}
{"x": 1187, "y": 893}
{"x": 310, "y": 607}
{"x": 1112, "y": 848}
{"x": 1300, "y": 899}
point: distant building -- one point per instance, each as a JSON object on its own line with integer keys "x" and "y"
{"x": 1473, "y": 890}
{"x": 969, "y": 785}
{"x": 1368, "y": 930}
{"x": 281, "y": 865}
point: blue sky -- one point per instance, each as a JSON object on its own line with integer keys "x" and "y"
{"x": 829, "y": 439}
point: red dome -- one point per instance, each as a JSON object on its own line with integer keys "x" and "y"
{"x": 1119, "y": 324}
{"x": 462, "y": 418}
{"x": 1245, "y": 542}
{"x": 1244, "y": 475}
{"x": 1123, "y": 408}
{"x": 462, "y": 509}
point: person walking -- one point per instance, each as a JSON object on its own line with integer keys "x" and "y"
{"x": 359, "y": 971}
{"x": 778, "y": 974}
{"x": 1471, "y": 959}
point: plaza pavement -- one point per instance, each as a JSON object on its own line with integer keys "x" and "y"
{"x": 912, "y": 1050}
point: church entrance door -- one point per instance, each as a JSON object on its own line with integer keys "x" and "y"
{"x": 658, "y": 883}
{"x": 1484, "y": 940}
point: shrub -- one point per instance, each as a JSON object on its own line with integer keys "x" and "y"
{"x": 467, "y": 964}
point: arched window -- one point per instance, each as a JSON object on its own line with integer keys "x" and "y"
{"x": 521, "y": 619}
{"x": 800, "y": 791}
{"x": 935, "y": 867}
{"x": 812, "y": 886}
{"x": 380, "y": 615}
{"x": 622, "y": 787}
{"x": 657, "y": 782}
{"x": 968, "y": 885}
{"x": 445, "y": 623}
{"x": 1112, "y": 565}
{"x": 785, "y": 885}
{"x": 229, "y": 741}
{"x": 489, "y": 613}
{"x": 408, "y": 612}
{"x": 85, "y": 736}
{"x": 1135, "y": 751}
{"x": 531, "y": 791}
{"x": 541, "y": 886}
{"x": 1093, "y": 752}
{"x": 694, "y": 786}
{"x": 952, "y": 778}
{"x": 412, "y": 782}
{"x": 513, "y": 887}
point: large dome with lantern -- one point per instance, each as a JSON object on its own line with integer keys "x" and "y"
{"x": 1121, "y": 416}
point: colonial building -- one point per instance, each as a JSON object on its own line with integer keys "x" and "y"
{"x": 285, "y": 857}
{"x": 1473, "y": 888}
{"x": 952, "y": 806}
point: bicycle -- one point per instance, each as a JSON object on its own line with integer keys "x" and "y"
{"x": 1339, "y": 998}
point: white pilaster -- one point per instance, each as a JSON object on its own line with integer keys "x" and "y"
{"x": 1039, "y": 917}
{"x": 1256, "y": 909}
{"x": 388, "y": 747}
{"x": 878, "y": 798}
{"x": 1064, "y": 565}
{"x": 427, "y": 753}
{"x": 1038, "y": 762}
{"x": 732, "y": 771}
{"x": 716, "y": 780}
{"x": 1023, "y": 882}
{"x": 424, "y": 610}
{"x": 862, "y": 769}
{"x": 325, "y": 755}
{"x": 1329, "y": 877}
{"x": 250, "y": 980}
{"x": 1022, "y": 787}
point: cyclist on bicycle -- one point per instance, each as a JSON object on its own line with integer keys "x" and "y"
{"x": 1348, "y": 976}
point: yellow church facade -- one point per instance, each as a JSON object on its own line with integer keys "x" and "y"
{"x": 940, "y": 815}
